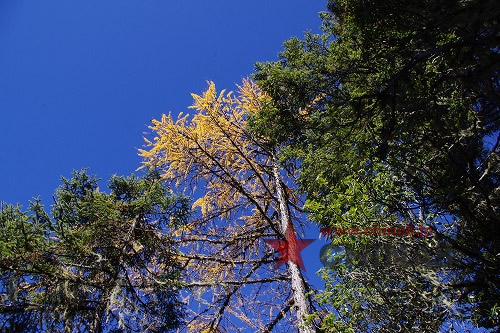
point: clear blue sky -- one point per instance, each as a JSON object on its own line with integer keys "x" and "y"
{"x": 80, "y": 80}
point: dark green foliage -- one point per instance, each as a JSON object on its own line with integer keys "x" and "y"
{"x": 98, "y": 262}
{"x": 394, "y": 116}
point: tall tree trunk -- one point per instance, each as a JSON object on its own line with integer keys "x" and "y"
{"x": 297, "y": 281}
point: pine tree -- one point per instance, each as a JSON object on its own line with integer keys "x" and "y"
{"x": 97, "y": 263}
{"x": 402, "y": 129}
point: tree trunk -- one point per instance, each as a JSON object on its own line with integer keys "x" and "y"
{"x": 297, "y": 281}
{"x": 100, "y": 313}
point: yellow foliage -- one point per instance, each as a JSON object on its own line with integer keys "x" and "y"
{"x": 212, "y": 148}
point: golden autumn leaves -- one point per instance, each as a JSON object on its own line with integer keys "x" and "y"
{"x": 213, "y": 147}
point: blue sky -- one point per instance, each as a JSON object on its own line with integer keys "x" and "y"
{"x": 81, "y": 80}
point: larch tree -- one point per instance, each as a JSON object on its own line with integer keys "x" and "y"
{"x": 244, "y": 196}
